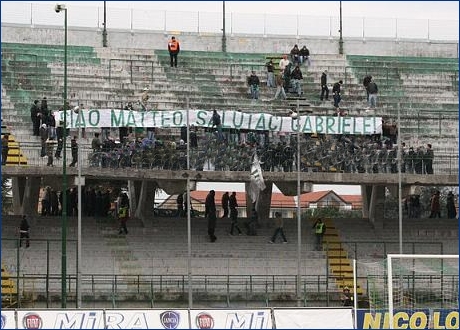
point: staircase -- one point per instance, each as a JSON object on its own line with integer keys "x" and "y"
{"x": 340, "y": 265}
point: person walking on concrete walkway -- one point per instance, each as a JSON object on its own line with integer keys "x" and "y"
{"x": 210, "y": 214}
{"x": 279, "y": 229}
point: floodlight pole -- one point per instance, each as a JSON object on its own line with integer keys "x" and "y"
{"x": 224, "y": 37}
{"x": 340, "y": 31}
{"x": 299, "y": 218}
{"x": 104, "y": 31}
{"x": 189, "y": 222}
{"x": 58, "y": 9}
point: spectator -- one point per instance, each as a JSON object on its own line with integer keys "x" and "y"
{"x": 24, "y": 232}
{"x": 35, "y": 116}
{"x": 279, "y": 229}
{"x": 210, "y": 214}
{"x": 217, "y": 124}
{"x": 144, "y": 99}
{"x": 174, "y": 49}
{"x": 60, "y": 139}
{"x": 336, "y": 94}
{"x": 270, "y": 74}
{"x": 428, "y": 159}
{"x": 295, "y": 55}
{"x": 372, "y": 91}
{"x": 74, "y": 151}
{"x": 253, "y": 82}
{"x": 50, "y": 150}
{"x": 320, "y": 229}
{"x": 450, "y": 205}
{"x": 51, "y": 122}
{"x": 46, "y": 201}
{"x": 435, "y": 205}
{"x": 5, "y": 148}
{"x": 296, "y": 75}
{"x": 193, "y": 137}
{"x": 324, "y": 88}
{"x": 284, "y": 62}
{"x": 346, "y": 297}
{"x": 96, "y": 144}
{"x": 123, "y": 213}
{"x": 180, "y": 205}
{"x": 234, "y": 213}
{"x": 225, "y": 203}
{"x": 44, "y": 109}
{"x": 367, "y": 79}
{"x": 305, "y": 55}
{"x": 280, "y": 86}
{"x": 43, "y": 138}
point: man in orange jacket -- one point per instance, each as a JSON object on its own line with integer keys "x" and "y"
{"x": 174, "y": 49}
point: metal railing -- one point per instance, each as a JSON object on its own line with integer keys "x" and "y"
{"x": 236, "y": 23}
{"x": 445, "y": 162}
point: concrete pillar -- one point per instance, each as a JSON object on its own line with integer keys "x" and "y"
{"x": 265, "y": 200}
{"x": 17, "y": 189}
{"x": 146, "y": 200}
{"x": 366, "y": 197}
{"x": 377, "y": 206}
{"x": 30, "y": 196}
{"x": 264, "y": 204}
{"x": 134, "y": 188}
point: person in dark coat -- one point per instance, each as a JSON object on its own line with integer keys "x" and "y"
{"x": 225, "y": 204}
{"x": 324, "y": 88}
{"x": 74, "y": 150}
{"x": 35, "y": 117}
{"x": 450, "y": 205}
{"x": 24, "y": 232}
{"x": 210, "y": 214}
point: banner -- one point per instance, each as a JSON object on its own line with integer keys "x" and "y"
{"x": 419, "y": 318}
{"x": 231, "y": 319}
{"x": 329, "y": 318}
{"x": 93, "y": 118}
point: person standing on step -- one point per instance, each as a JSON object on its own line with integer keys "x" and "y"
{"x": 279, "y": 229}
{"x": 35, "y": 117}
{"x": 225, "y": 202}
{"x": 280, "y": 86}
{"x": 210, "y": 214}
{"x": 284, "y": 62}
{"x": 372, "y": 91}
{"x": 253, "y": 83}
{"x": 270, "y": 74}
{"x": 5, "y": 148}
{"x": 367, "y": 79}
{"x": 24, "y": 232}
{"x": 324, "y": 88}
{"x": 337, "y": 96}
{"x": 50, "y": 150}
{"x": 174, "y": 49}
{"x": 43, "y": 138}
{"x": 74, "y": 151}
{"x": 233, "y": 204}
{"x": 320, "y": 229}
{"x": 296, "y": 75}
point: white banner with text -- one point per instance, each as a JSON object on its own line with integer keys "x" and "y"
{"x": 93, "y": 118}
